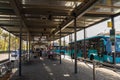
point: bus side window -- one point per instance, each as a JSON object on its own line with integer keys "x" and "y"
{"x": 101, "y": 49}
{"x": 92, "y": 46}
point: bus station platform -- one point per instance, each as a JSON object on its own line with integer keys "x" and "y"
{"x": 47, "y": 69}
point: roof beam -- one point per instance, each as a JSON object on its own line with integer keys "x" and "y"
{"x": 65, "y": 32}
{"x": 80, "y": 11}
{"x": 72, "y": 27}
{"x": 100, "y": 13}
{"x": 97, "y": 15}
{"x": 17, "y": 11}
{"x": 38, "y": 17}
{"x": 39, "y": 32}
{"x": 107, "y": 6}
{"x": 41, "y": 22}
{"x": 31, "y": 32}
{"x": 46, "y": 13}
{"x": 116, "y": 14}
{"x": 10, "y": 17}
{"x": 31, "y": 35}
{"x": 39, "y": 26}
{"x": 9, "y": 24}
{"x": 50, "y": 7}
{"x": 43, "y": 10}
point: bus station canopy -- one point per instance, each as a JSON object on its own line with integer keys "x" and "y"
{"x": 45, "y": 17}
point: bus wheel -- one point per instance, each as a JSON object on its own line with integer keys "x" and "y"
{"x": 91, "y": 57}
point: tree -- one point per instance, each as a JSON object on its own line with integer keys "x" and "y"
{"x": 1, "y": 31}
{"x": 1, "y": 41}
{"x": 5, "y": 35}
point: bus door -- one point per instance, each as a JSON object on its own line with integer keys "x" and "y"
{"x": 101, "y": 48}
{"x": 118, "y": 47}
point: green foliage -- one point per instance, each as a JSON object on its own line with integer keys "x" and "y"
{"x": 4, "y": 41}
{"x": 1, "y": 31}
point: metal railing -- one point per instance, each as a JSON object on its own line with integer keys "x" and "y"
{"x": 5, "y": 66}
{"x": 98, "y": 64}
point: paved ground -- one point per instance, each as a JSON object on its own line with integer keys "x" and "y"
{"x": 45, "y": 69}
{"x": 3, "y": 56}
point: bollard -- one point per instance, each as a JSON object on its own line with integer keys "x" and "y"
{"x": 94, "y": 70}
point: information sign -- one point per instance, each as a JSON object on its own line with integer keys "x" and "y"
{"x": 112, "y": 35}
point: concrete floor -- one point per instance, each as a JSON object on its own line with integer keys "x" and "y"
{"x": 46, "y": 69}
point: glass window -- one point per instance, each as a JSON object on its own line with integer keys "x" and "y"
{"x": 118, "y": 44}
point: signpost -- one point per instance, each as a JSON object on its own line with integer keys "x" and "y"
{"x": 112, "y": 35}
{"x": 109, "y": 24}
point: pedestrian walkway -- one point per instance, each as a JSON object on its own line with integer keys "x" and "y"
{"x": 46, "y": 69}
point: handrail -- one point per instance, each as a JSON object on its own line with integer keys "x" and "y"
{"x": 102, "y": 63}
{"x": 94, "y": 62}
{"x": 4, "y": 67}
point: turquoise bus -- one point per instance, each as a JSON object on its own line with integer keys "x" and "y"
{"x": 98, "y": 48}
{"x": 57, "y": 50}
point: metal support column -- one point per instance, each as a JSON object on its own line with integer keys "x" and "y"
{"x": 60, "y": 45}
{"x": 20, "y": 51}
{"x": 27, "y": 46}
{"x": 70, "y": 40}
{"x": 9, "y": 41}
{"x": 69, "y": 46}
{"x": 53, "y": 39}
{"x": 113, "y": 43}
{"x": 75, "y": 44}
{"x": 64, "y": 47}
{"x": 85, "y": 55}
{"x": 29, "y": 49}
{"x": 64, "y": 41}
{"x": 15, "y": 43}
{"x": 9, "y": 45}
{"x": 94, "y": 70}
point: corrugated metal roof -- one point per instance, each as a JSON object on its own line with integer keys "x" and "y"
{"x": 44, "y": 17}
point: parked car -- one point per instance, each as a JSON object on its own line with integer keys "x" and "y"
{"x": 14, "y": 55}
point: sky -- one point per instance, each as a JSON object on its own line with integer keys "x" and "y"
{"x": 96, "y": 29}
